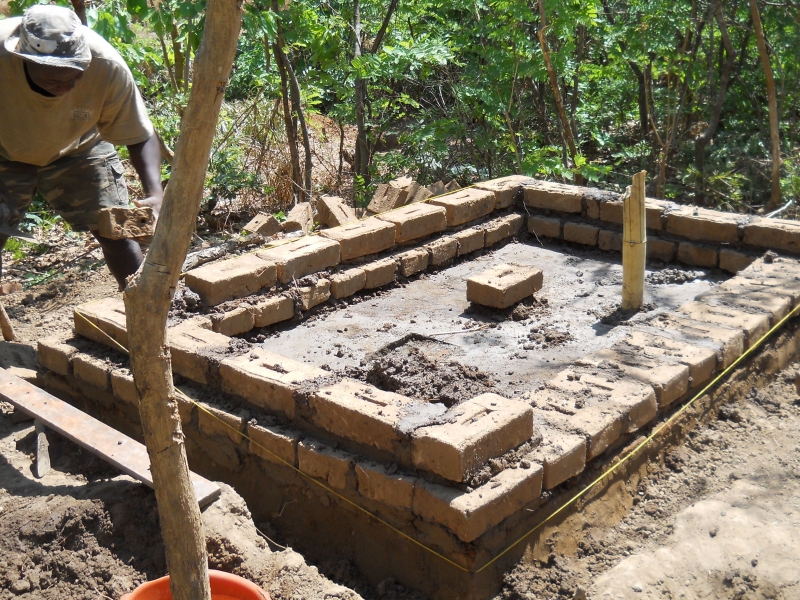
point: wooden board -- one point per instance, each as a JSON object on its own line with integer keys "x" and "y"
{"x": 128, "y": 455}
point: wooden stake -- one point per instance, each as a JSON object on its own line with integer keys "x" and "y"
{"x": 6, "y": 327}
{"x": 634, "y": 244}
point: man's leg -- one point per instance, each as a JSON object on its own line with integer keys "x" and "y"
{"x": 123, "y": 257}
{"x": 17, "y": 186}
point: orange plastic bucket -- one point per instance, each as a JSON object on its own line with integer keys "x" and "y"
{"x": 224, "y": 586}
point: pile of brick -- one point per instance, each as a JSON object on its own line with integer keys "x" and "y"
{"x": 404, "y": 190}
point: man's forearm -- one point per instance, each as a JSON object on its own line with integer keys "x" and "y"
{"x": 146, "y": 159}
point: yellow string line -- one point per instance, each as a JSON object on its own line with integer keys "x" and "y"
{"x": 665, "y": 425}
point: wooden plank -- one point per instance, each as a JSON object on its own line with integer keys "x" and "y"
{"x": 128, "y": 455}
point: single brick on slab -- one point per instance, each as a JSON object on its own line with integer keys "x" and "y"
{"x": 233, "y": 278}
{"x": 697, "y": 255}
{"x": 102, "y": 321}
{"x": 660, "y": 249}
{"x": 727, "y": 342}
{"x": 413, "y": 261}
{"x": 561, "y": 454}
{"x": 348, "y": 282}
{"x": 376, "y": 483}
{"x": 703, "y": 225}
{"x": 502, "y": 228}
{"x": 233, "y": 322}
{"x": 581, "y": 233}
{"x": 471, "y": 514}
{"x": 554, "y": 196}
{"x": 544, "y": 226}
{"x": 734, "y": 261}
{"x": 56, "y": 356}
{"x": 323, "y": 462}
{"x": 189, "y": 345}
{"x": 272, "y": 310}
{"x": 263, "y": 224}
{"x": 123, "y": 386}
{"x": 360, "y": 412}
{"x": 380, "y": 272}
{"x": 416, "y": 221}
{"x": 469, "y": 240}
{"x": 504, "y": 285}
{"x": 506, "y": 189}
{"x": 266, "y": 379}
{"x": 334, "y": 212}
{"x": 754, "y": 322}
{"x": 442, "y": 251}
{"x": 465, "y": 205}
{"x": 303, "y": 256}
{"x": 361, "y": 238}
{"x": 273, "y": 443}
{"x": 774, "y": 234}
{"x": 611, "y": 240}
{"x": 119, "y": 223}
{"x": 484, "y": 427}
{"x": 91, "y": 370}
{"x": 315, "y": 294}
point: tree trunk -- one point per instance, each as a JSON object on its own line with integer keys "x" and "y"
{"x": 147, "y": 303}
{"x": 291, "y": 131}
{"x": 361, "y": 159}
{"x": 775, "y": 138}
{"x": 80, "y": 9}
{"x": 294, "y": 89}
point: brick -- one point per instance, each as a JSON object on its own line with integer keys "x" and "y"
{"x": 660, "y": 249}
{"x": 469, "y": 240}
{"x": 484, "y": 427}
{"x": 701, "y": 360}
{"x": 323, "y": 462}
{"x": 119, "y": 223}
{"x": 263, "y": 224}
{"x": 773, "y": 268}
{"x": 313, "y": 295}
{"x": 442, "y": 251}
{"x": 654, "y": 209}
{"x": 727, "y": 342}
{"x": 465, "y": 205}
{"x": 554, "y": 196}
{"x": 334, "y": 212}
{"x": 754, "y": 324}
{"x": 561, "y": 454}
{"x": 750, "y": 299}
{"x": 389, "y": 196}
{"x": 437, "y": 188}
{"x": 594, "y": 198}
{"x": 302, "y": 256}
{"x": 273, "y": 444}
{"x": 733, "y": 261}
{"x": 504, "y": 285}
{"x": 229, "y": 279}
{"x": 697, "y": 255}
{"x": 413, "y": 261}
{"x": 300, "y": 218}
{"x": 361, "y": 413}
{"x": 581, "y": 233}
{"x": 470, "y": 515}
{"x": 610, "y": 240}
{"x": 776, "y": 234}
{"x": 266, "y": 379}
{"x": 233, "y": 322}
{"x": 214, "y": 422}
{"x": 506, "y": 189}
{"x": 93, "y": 371}
{"x": 272, "y": 310}
{"x": 420, "y": 195}
{"x": 452, "y": 186}
{"x": 361, "y": 238}
{"x": 123, "y": 387}
{"x": 515, "y": 223}
{"x": 108, "y": 315}
{"x": 502, "y": 228}
{"x": 379, "y": 273}
{"x": 56, "y": 356}
{"x": 544, "y": 226}
{"x": 788, "y": 288}
{"x": 189, "y": 346}
{"x": 376, "y": 484}
{"x": 416, "y": 221}
{"x": 703, "y": 225}
{"x": 348, "y": 282}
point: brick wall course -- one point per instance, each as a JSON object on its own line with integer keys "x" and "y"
{"x": 348, "y": 282}
{"x": 611, "y": 240}
{"x": 214, "y": 422}
{"x": 362, "y": 238}
{"x": 727, "y": 342}
{"x": 379, "y": 273}
{"x": 701, "y": 360}
{"x": 465, "y": 205}
{"x": 469, "y": 240}
{"x": 93, "y": 371}
{"x": 123, "y": 387}
{"x": 703, "y": 225}
{"x": 749, "y": 300}
{"x": 323, "y": 462}
{"x": 561, "y": 454}
{"x": 413, "y": 261}
{"x": 272, "y": 310}
{"x": 554, "y": 196}
{"x": 107, "y": 314}
{"x": 416, "y": 221}
{"x": 697, "y": 255}
{"x": 279, "y": 441}
{"x": 188, "y": 344}
{"x": 754, "y": 324}
{"x": 302, "y": 257}
{"x": 660, "y": 249}
{"x": 56, "y": 356}
{"x": 776, "y": 234}
{"x": 233, "y": 322}
{"x": 315, "y": 294}
{"x": 545, "y": 226}
{"x": 581, "y": 233}
{"x": 733, "y": 261}
{"x": 442, "y": 251}
{"x": 506, "y": 189}
{"x": 229, "y": 279}
{"x": 396, "y": 489}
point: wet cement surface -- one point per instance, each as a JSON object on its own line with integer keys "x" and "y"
{"x": 579, "y": 288}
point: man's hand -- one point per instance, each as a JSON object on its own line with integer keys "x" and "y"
{"x": 146, "y": 159}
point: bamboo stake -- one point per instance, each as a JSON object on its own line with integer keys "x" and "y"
{"x": 5, "y": 325}
{"x": 634, "y": 244}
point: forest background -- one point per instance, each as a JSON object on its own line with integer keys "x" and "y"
{"x": 333, "y": 97}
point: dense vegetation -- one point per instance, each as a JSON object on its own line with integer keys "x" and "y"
{"x": 333, "y": 96}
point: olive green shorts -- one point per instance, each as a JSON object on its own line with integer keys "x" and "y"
{"x": 76, "y": 186}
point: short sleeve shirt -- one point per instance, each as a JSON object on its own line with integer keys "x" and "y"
{"x": 104, "y": 104}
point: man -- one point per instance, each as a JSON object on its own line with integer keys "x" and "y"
{"x": 66, "y": 98}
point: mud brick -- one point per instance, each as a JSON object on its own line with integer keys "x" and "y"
{"x": 544, "y": 226}
{"x": 303, "y": 256}
{"x": 123, "y": 387}
{"x": 659, "y": 249}
{"x": 554, "y": 196}
{"x": 348, "y": 282}
{"x": 515, "y": 222}
{"x": 229, "y": 279}
{"x": 610, "y": 240}
{"x": 361, "y": 238}
{"x": 466, "y": 205}
{"x": 594, "y": 198}
{"x": 313, "y": 295}
{"x": 775, "y": 234}
{"x": 470, "y": 515}
{"x": 233, "y": 322}
{"x": 416, "y": 221}
{"x": 654, "y": 209}
{"x": 93, "y": 371}
{"x": 754, "y": 324}
{"x": 413, "y": 261}
{"x": 502, "y": 228}
{"x": 581, "y": 233}
{"x": 702, "y": 361}
{"x": 697, "y": 255}
{"x": 266, "y": 380}
{"x": 379, "y": 273}
{"x": 333, "y": 212}
{"x": 749, "y": 300}
{"x": 323, "y": 462}
{"x": 299, "y": 218}
{"x": 272, "y": 310}
{"x": 437, "y": 188}
{"x": 360, "y": 412}
{"x": 189, "y": 345}
{"x": 186, "y": 404}
{"x": 420, "y": 195}
{"x": 504, "y": 285}
{"x": 376, "y": 484}
{"x": 785, "y": 288}
{"x": 469, "y": 240}
{"x": 273, "y": 444}
{"x": 214, "y": 422}
{"x": 506, "y": 189}
{"x": 56, "y": 356}
{"x": 121, "y": 223}
{"x": 389, "y": 196}
{"x": 108, "y": 315}
{"x": 561, "y": 454}
{"x": 452, "y": 186}
{"x": 484, "y": 427}
{"x": 703, "y": 225}
{"x": 442, "y": 251}
{"x": 773, "y": 268}
{"x": 733, "y": 261}
{"x": 727, "y": 342}
{"x": 263, "y": 224}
